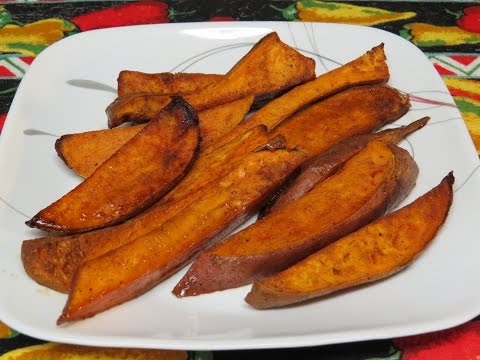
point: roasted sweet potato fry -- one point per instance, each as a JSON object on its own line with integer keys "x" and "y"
{"x": 371, "y": 182}
{"x": 326, "y": 163}
{"x": 269, "y": 67}
{"x": 376, "y": 251}
{"x": 136, "y": 267}
{"x": 219, "y": 120}
{"x": 370, "y": 68}
{"x": 129, "y": 82}
{"x": 351, "y": 112}
{"x": 137, "y": 175}
{"x": 85, "y": 152}
{"x": 51, "y": 261}
{"x": 135, "y": 107}
{"x": 66, "y": 253}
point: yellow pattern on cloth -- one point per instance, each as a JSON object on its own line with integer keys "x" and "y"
{"x": 32, "y": 38}
{"x": 423, "y": 34}
{"x": 467, "y": 100}
{"x": 334, "y": 12}
{"x": 57, "y": 351}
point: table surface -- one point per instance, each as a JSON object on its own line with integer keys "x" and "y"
{"x": 448, "y": 32}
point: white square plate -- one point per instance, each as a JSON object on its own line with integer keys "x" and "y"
{"x": 438, "y": 291}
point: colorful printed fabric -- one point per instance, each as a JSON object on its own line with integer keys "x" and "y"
{"x": 448, "y": 32}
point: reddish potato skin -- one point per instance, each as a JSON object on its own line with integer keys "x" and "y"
{"x": 368, "y": 69}
{"x": 85, "y": 152}
{"x": 211, "y": 272}
{"x": 323, "y": 165}
{"x": 129, "y": 82}
{"x": 271, "y": 66}
{"x": 376, "y": 251}
{"x": 136, "y": 176}
{"x": 131, "y": 270}
{"x": 51, "y": 261}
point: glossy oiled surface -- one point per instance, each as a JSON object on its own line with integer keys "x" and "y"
{"x": 373, "y": 181}
{"x": 84, "y": 152}
{"x": 348, "y": 191}
{"x": 137, "y": 175}
{"x": 130, "y": 270}
{"x": 221, "y": 321}
{"x": 375, "y": 251}
{"x": 356, "y": 111}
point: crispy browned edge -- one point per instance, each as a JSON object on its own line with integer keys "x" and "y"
{"x": 52, "y": 260}
{"x": 86, "y": 151}
{"x": 213, "y": 272}
{"x": 236, "y": 84}
{"x": 52, "y": 217}
{"x": 262, "y": 296}
{"x": 32, "y": 242}
{"x": 167, "y": 83}
{"x": 367, "y": 69}
{"x": 324, "y": 164}
{"x": 264, "y": 172}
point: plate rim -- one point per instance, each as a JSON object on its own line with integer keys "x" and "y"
{"x": 218, "y": 344}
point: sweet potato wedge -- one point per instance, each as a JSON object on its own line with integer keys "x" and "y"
{"x": 85, "y": 152}
{"x": 52, "y": 260}
{"x": 373, "y": 181}
{"x": 269, "y": 67}
{"x": 351, "y": 112}
{"x": 135, "y": 107}
{"x": 129, "y": 82}
{"x": 321, "y": 166}
{"x": 219, "y": 120}
{"x": 369, "y": 68}
{"x": 376, "y": 251}
{"x": 137, "y": 175}
{"x": 136, "y": 267}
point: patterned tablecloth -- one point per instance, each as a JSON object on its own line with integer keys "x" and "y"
{"x": 447, "y": 31}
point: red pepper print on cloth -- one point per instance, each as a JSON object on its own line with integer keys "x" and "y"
{"x": 221, "y": 18}
{"x": 31, "y": 38}
{"x": 138, "y": 13}
{"x": 470, "y": 19}
{"x": 463, "y": 30}
{"x": 459, "y": 343}
{"x": 21, "y": 42}
{"x": 2, "y": 121}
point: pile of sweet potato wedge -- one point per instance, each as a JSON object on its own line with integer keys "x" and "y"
{"x": 204, "y": 153}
